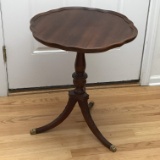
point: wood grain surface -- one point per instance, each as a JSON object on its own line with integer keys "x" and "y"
{"x": 128, "y": 116}
{"x": 82, "y": 29}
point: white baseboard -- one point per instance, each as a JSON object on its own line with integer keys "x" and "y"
{"x": 154, "y": 80}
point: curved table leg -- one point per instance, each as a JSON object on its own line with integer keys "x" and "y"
{"x": 69, "y": 107}
{"x": 87, "y": 116}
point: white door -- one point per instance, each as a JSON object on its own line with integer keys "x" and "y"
{"x": 31, "y": 64}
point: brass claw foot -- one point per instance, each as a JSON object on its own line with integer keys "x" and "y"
{"x": 91, "y": 104}
{"x": 33, "y": 131}
{"x": 113, "y": 148}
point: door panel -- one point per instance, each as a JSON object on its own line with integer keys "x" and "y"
{"x": 31, "y": 64}
{"x": 124, "y": 63}
{"x": 83, "y": 3}
{"x": 109, "y": 4}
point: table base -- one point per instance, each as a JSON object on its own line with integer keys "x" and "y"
{"x": 78, "y": 95}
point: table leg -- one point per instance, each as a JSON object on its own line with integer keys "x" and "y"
{"x": 87, "y": 116}
{"x": 82, "y": 97}
{"x": 68, "y": 109}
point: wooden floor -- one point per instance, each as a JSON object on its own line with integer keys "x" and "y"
{"x": 128, "y": 116}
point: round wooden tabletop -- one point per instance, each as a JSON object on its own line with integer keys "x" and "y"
{"x": 80, "y": 29}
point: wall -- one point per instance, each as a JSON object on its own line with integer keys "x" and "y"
{"x": 3, "y": 76}
{"x": 3, "y": 79}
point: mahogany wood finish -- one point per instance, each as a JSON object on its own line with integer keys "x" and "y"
{"x": 83, "y": 30}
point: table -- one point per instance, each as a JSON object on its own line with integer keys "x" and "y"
{"x": 83, "y": 30}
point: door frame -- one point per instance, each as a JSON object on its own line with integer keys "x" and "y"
{"x": 148, "y": 53}
{"x": 150, "y": 42}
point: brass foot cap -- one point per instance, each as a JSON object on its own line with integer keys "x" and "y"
{"x": 33, "y": 131}
{"x": 113, "y": 148}
{"x": 91, "y": 104}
